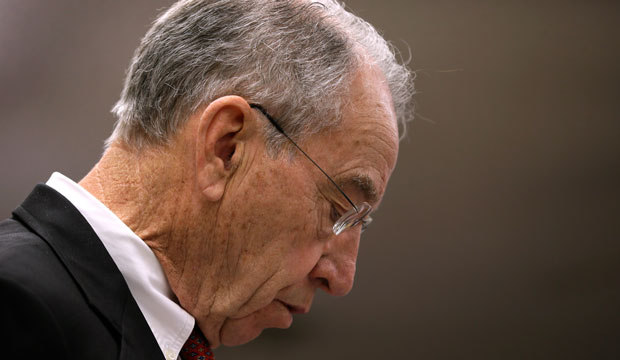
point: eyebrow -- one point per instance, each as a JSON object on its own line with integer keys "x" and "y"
{"x": 363, "y": 183}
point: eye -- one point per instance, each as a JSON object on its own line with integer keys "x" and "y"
{"x": 335, "y": 214}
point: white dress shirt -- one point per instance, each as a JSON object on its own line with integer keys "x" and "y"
{"x": 143, "y": 273}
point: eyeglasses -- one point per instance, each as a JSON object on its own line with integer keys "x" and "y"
{"x": 357, "y": 214}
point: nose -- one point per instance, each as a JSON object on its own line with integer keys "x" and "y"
{"x": 335, "y": 270}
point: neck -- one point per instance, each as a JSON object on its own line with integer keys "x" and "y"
{"x": 134, "y": 186}
{"x": 151, "y": 191}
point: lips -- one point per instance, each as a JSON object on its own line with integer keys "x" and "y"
{"x": 295, "y": 309}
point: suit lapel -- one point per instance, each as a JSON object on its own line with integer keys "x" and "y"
{"x": 61, "y": 225}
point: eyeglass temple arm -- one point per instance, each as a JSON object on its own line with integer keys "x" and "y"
{"x": 277, "y": 126}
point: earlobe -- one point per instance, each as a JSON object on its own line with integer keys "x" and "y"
{"x": 214, "y": 191}
{"x": 217, "y": 143}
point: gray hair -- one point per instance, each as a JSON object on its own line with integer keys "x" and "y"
{"x": 295, "y": 58}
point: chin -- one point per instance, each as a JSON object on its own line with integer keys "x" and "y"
{"x": 240, "y": 331}
{"x": 239, "y": 338}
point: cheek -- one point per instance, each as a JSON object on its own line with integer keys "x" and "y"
{"x": 268, "y": 233}
{"x": 302, "y": 260}
{"x": 262, "y": 310}
{"x": 274, "y": 208}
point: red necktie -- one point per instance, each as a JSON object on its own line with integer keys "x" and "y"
{"x": 196, "y": 347}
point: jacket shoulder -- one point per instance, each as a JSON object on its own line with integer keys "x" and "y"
{"x": 41, "y": 301}
{"x": 29, "y": 326}
{"x": 29, "y": 261}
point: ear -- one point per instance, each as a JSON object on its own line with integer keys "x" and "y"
{"x": 217, "y": 142}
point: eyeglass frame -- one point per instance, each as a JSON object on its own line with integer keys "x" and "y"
{"x": 350, "y": 218}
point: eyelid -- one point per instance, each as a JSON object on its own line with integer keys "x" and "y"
{"x": 360, "y": 183}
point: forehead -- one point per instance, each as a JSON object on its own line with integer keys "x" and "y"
{"x": 361, "y": 152}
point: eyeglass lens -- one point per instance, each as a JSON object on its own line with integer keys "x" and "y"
{"x": 353, "y": 217}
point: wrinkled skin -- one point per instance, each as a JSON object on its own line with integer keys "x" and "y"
{"x": 245, "y": 239}
{"x": 281, "y": 227}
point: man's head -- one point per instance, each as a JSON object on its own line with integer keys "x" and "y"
{"x": 295, "y": 58}
{"x": 251, "y": 237}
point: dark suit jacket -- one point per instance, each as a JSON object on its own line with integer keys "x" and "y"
{"x": 61, "y": 295}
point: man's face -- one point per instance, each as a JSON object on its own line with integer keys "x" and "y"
{"x": 277, "y": 215}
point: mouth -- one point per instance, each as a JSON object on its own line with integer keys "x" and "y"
{"x": 295, "y": 309}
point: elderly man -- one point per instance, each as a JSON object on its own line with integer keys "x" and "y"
{"x": 253, "y": 140}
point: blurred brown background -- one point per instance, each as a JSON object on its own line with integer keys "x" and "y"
{"x": 499, "y": 236}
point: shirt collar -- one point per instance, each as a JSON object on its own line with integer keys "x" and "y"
{"x": 146, "y": 280}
